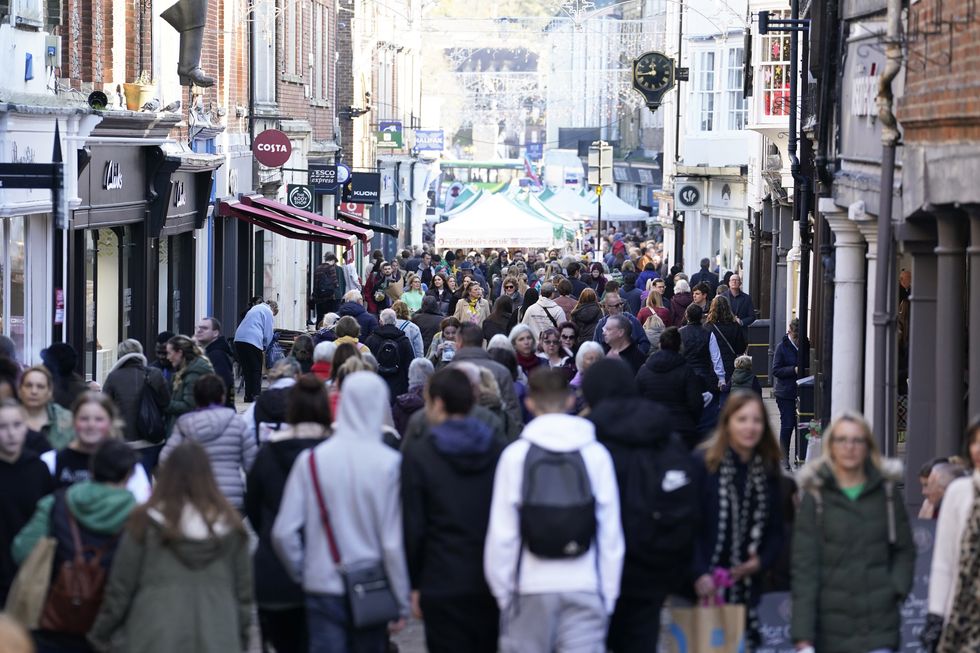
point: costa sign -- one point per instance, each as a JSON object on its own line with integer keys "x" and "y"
{"x": 272, "y": 148}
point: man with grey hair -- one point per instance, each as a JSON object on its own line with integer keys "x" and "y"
{"x": 393, "y": 351}
{"x": 939, "y": 479}
{"x": 544, "y": 313}
{"x": 125, "y": 385}
{"x": 353, "y": 306}
{"x": 616, "y": 333}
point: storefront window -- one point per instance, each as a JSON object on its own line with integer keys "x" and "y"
{"x": 107, "y": 301}
{"x": 163, "y": 299}
{"x": 91, "y": 347}
{"x": 15, "y": 284}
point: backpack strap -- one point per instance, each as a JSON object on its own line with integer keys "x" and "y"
{"x": 890, "y": 507}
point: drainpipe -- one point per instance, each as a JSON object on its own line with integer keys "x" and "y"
{"x": 884, "y": 411}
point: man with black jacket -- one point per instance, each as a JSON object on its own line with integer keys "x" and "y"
{"x": 393, "y": 351}
{"x": 447, "y": 485}
{"x": 216, "y": 348}
{"x": 658, "y": 498}
{"x": 667, "y": 379}
{"x": 704, "y": 275}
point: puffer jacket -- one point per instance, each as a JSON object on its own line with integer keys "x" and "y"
{"x": 125, "y": 384}
{"x": 853, "y": 561}
{"x": 224, "y": 436}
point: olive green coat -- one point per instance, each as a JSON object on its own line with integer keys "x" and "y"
{"x": 182, "y": 390}
{"x": 189, "y": 596}
{"x": 848, "y": 580}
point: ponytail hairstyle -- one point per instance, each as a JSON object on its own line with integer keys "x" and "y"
{"x": 187, "y": 347}
{"x": 308, "y": 402}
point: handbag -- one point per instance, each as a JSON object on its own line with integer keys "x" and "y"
{"x": 369, "y": 597}
{"x": 30, "y": 587}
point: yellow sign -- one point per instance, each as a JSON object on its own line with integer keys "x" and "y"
{"x": 598, "y": 190}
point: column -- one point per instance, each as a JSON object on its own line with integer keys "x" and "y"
{"x": 973, "y": 363}
{"x": 868, "y": 227}
{"x": 783, "y": 213}
{"x": 950, "y": 343}
{"x": 848, "y": 355}
{"x": 921, "y": 444}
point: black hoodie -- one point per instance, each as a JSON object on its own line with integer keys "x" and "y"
{"x": 667, "y": 379}
{"x": 656, "y": 477}
{"x": 266, "y": 480}
{"x": 219, "y": 353}
{"x": 22, "y": 484}
{"x": 447, "y": 485}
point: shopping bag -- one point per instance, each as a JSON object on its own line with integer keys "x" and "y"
{"x": 30, "y": 587}
{"x": 706, "y": 629}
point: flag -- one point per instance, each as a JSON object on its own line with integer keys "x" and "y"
{"x": 529, "y": 172}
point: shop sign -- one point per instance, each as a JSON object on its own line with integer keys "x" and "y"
{"x": 354, "y": 210}
{"x": 429, "y": 140}
{"x": 59, "y": 306}
{"x": 322, "y": 177}
{"x": 112, "y": 177}
{"x": 689, "y": 195}
{"x": 272, "y": 148}
{"x": 389, "y": 135}
{"x": 363, "y": 187}
{"x": 299, "y": 197}
{"x": 535, "y": 151}
{"x": 180, "y": 194}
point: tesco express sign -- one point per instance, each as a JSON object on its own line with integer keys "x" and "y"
{"x": 272, "y": 148}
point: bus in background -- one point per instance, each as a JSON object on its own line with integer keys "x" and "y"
{"x": 487, "y": 175}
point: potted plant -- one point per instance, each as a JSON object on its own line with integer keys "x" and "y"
{"x": 139, "y": 92}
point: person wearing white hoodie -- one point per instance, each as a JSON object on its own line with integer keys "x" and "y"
{"x": 560, "y": 604}
{"x": 544, "y": 313}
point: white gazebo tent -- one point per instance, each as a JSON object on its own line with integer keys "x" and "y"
{"x": 616, "y": 210}
{"x": 493, "y": 221}
{"x": 568, "y": 203}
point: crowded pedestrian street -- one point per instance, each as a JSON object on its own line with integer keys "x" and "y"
{"x": 534, "y": 326}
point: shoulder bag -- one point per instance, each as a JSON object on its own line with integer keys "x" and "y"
{"x": 25, "y": 602}
{"x": 369, "y": 596}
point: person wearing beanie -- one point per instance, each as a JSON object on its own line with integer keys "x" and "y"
{"x": 61, "y": 359}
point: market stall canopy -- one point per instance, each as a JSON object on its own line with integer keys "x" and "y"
{"x": 570, "y": 204}
{"x": 493, "y": 220}
{"x": 615, "y": 209}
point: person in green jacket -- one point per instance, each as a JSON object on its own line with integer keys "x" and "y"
{"x": 44, "y": 416}
{"x": 853, "y": 553}
{"x": 181, "y": 580}
{"x": 190, "y": 364}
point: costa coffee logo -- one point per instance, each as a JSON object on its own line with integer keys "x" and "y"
{"x": 272, "y": 148}
{"x": 112, "y": 178}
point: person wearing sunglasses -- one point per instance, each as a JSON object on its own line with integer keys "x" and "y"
{"x": 558, "y": 356}
{"x": 568, "y": 335}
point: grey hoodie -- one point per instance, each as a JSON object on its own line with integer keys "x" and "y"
{"x": 360, "y": 479}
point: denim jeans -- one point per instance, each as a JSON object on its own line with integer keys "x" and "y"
{"x": 331, "y": 631}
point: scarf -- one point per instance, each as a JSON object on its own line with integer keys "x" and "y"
{"x": 742, "y": 514}
{"x": 962, "y": 629}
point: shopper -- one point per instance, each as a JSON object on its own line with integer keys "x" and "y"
{"x": 358, "y": 480}
{"x": 181, "y": 579}
{"x": 281, "y": 607}
{"x": 208, "y": 334}
{"x": 561, "y": 597}
{"x": 44, "y": 417}
{"x": 190, "y": 364}
{"x": 252, "y": 338}
{"x": 447, "y": 482}
{"x": 128, "y": 381}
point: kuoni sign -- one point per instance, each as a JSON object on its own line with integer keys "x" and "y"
{"x": 272, "y": 148}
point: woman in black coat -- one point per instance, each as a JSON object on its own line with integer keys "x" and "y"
{"x": 501, "y": 319}
{"x": 667, "y": 379}
{"x": 125, "y": 385}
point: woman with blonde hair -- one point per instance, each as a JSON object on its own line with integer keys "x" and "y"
{"x": 190, "y": 364}
{"x": 741, "y": 533}
{"x": 44, "y": 415}
{"x": 853, "y": 556}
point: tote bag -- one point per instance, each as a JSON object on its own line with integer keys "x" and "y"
{"x": 706, "y": 629}
{"x": 30, "y": 587}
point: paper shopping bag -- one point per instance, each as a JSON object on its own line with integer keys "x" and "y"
{"x": 706, "y": 629}
{"x": 30, "y": 587}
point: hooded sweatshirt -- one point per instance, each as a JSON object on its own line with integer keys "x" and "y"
{"x": 22, "y": 484}
{"x": 447, "y": 483}
{"x": 558, "y": 433}
{"x": 359, "y": 480}
{"x": 225, "y": 438}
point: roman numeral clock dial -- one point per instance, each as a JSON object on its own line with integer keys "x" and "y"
{"x": 653, "y": 75}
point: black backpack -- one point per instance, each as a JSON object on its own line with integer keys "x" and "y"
{"x": 323, "y": 283}
{"x": 149, "y": 420}
{"x": 388, "y": 358}
{"x": 557, "y": 514}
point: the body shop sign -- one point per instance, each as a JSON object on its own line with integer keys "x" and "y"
{"x": 272, "y": 148}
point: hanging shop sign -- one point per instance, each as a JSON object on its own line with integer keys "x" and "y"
{"x": 272, "y": 148}
{"x": 689, "y": 195}
{"x": 363, "y": 187}
{"x": 299, "y": 197}
{"x": 323, "y": 178}
{"x": 389, "y": 135}
{"x": 429, "y": 140}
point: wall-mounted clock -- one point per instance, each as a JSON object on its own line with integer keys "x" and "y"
{"x": 653, "y": 75}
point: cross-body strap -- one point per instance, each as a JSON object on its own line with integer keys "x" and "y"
{"x": 546, "y": 312}
{"x": 324, "y": 515}
{"x": 730, "y": 348}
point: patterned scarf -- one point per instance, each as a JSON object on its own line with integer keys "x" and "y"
{"x": 962, "y": 629}
{"x": 741, "y": 517}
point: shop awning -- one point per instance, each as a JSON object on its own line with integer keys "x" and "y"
{"x": 284, "y": 225}
{"x": 354, "y": 219}
{"x": 361, "y": 232}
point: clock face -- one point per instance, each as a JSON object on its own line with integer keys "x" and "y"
{"x": 653, "y": 72}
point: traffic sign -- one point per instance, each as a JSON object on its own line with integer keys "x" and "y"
{"x": 299, "y": 197}
{"x": 600, "y": 164}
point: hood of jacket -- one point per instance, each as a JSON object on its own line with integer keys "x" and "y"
{"x": 742, "y": 377}
{"x": 286, "y": 451}
{"x": 682, "y": 299}
{"x": 218, "y": 344}
{"x": 588, "y": 313}
{"x": 358, "y": 415}
{"x": 208, "y": 424}
{"x": 559, "y": 433}
{"x": 129, "y": 360}
{"x": 351, "y": 308}
{"x": 199, "y": 545}
{"x": 389, "y": 332}
{"x": 199, "y": 365}
{"x": 99, "y": 507}
{"x": 665, "y": 361}
{"x": 467, "y": 443}
{"x": 818, "y": 474}
{"x": 630, "y": 421}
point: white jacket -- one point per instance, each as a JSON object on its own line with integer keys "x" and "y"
{"x": 536, "y": 318}
{"x": 954, "y": 513}
{"x": 541, "y": 575}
